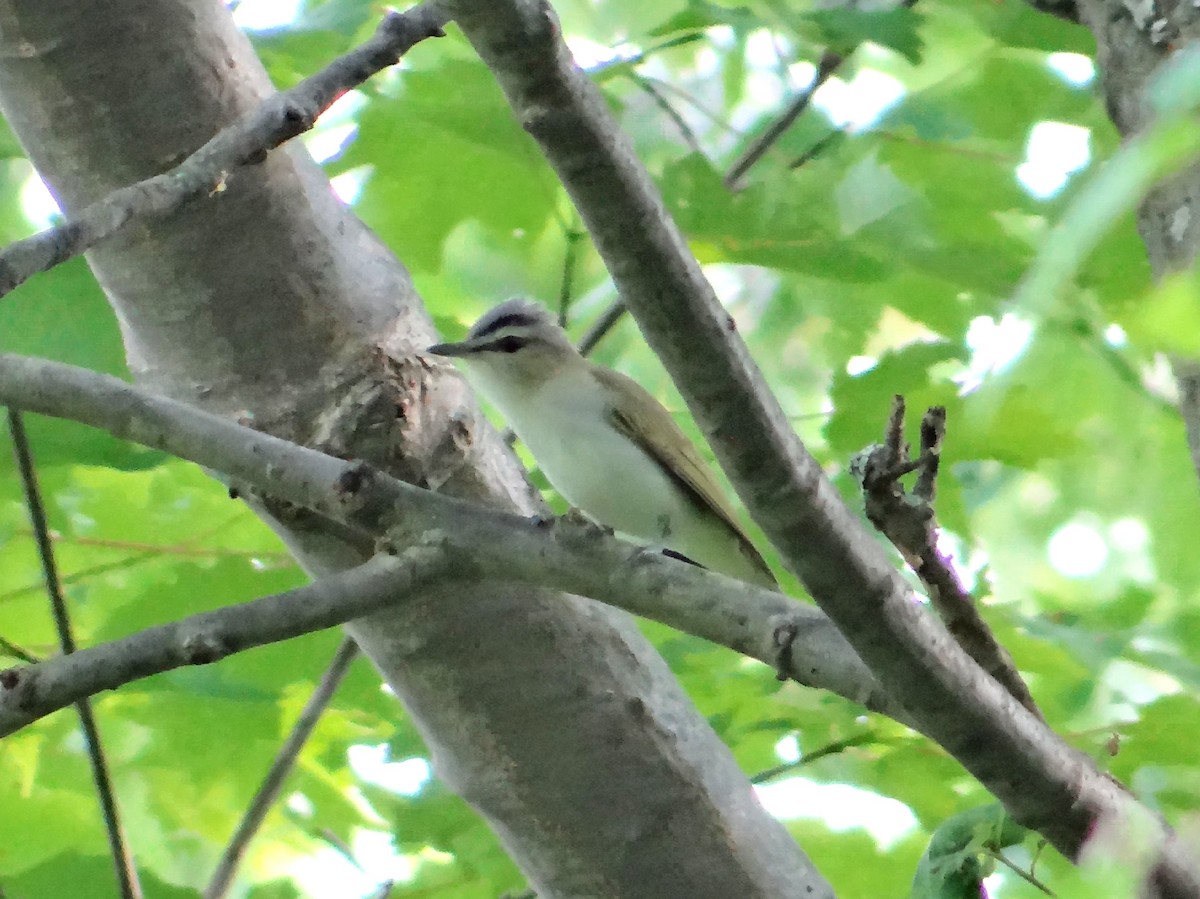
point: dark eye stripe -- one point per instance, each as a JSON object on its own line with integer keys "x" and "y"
{"x": 509, "y": 343}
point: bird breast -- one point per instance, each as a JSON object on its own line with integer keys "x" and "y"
{"x": 568, "y": 430}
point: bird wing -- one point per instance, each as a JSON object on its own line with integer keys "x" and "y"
{"x": 641, "y": 415}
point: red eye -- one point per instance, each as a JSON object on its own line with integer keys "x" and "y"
{"x": 508, "y": 344}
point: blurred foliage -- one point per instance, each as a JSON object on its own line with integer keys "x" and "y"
{"x": 867, "y": 253}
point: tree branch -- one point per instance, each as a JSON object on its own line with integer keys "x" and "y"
{"x": 32, "y": 692}
{"x": 829, "y": 63}
{"x": 281, "y": 766}
{"x": 484, "y": 544}
{"x": 601, "y": 326}
{"x": 1043, "y": 783}
{"x": 206, "y": 171}
{"x": 910, "y": 524}
{"x": 118, "y": 846}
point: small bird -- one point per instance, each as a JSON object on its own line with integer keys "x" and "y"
{"x": 603, "y": 441}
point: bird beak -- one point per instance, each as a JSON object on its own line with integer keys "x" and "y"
{"x": 451, "y": 349}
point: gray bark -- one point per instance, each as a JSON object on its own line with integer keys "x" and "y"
{"x": 270, "y": 302}
{"x": 1129, "y": 51}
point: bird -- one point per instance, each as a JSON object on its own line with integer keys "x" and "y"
{"x": 606, "y": 445}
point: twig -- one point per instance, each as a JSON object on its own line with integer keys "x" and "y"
{"x": 277, "y": 120}
{"x": 281, "y": 766}
{"x": 1024, "y": 875}
{"x": 605, "y": 323}
{"x": 327, "y": 836}
{"x": 80, "y": 574}
{"x": 605, "y": 70}
{"x": 713, "y": 118}
{"x": 685, "y": 131}
{"x": 809, "y": 757}
{"x": 829, "y": 63}
{"x": 126, "y": 870}
{"x": 143, "y": 552}
{"x": 816, "y": 149}
{"x": 933, "y": 432}
{"x": 186, "y": 548}
{"x": 384, "y": 890}
{"x": 910, "y": 524}
{"x": 573, "y": 236}
{"x": 12, "y": 650}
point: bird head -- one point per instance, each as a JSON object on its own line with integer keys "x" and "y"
{"x": 517, "y": 342}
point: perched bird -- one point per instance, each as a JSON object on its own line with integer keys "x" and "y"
{"x": 605, "y": 443}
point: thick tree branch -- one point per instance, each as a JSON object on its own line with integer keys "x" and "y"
{"x": 483, "y": 543}
{"x": 1044, "y": 784}
{"x": 205, "y": 172}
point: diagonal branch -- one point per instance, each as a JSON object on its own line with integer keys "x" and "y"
{"x": 829, "y": 63}
{"x": 205, "y": 172}
{"x": 9, "y": 648}
{"x": 285, "y": 759}
{"x": 1043, "y": 783}
{"x": 601, "y": 326}
{"x": 118, "y": 845}
{"x": 483, "y": 543}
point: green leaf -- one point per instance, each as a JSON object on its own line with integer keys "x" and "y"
{"x": 868, "y": 193}
{"x": 845, "y": 29}
{"x": 62, "y": 315}
{"x": 85, "y": 877}
{"x": 447, "y": 133}
{"x": 1167, "y": 319}
{"x": 761, "y": 225}
{"x": 702, "y": 14}
{"x": 954, "y": 865}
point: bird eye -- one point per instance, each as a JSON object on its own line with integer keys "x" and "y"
{"x": 508, "y": 344}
